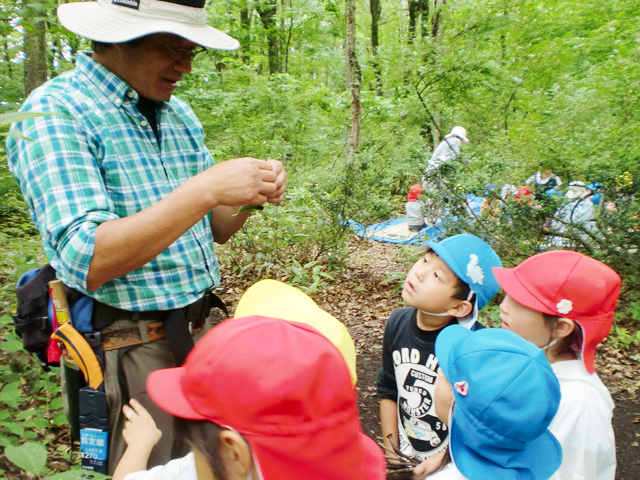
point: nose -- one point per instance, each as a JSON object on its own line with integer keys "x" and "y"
{"x": 502, "y": 304}
{"x": 422, "y": 271}
{"x": 184, "y": 65}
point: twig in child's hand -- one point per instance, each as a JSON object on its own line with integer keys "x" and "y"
{"x": 403, "y": 456}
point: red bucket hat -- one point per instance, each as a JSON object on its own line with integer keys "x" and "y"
{"x": 570, "y": 285}
{"x": 286, "y": 388}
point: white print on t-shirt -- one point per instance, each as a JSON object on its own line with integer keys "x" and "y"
{"x": 421, "y": 432}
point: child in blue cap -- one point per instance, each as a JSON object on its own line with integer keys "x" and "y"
{"x": 448, "y": 285}
{"x": 498, "y": 394}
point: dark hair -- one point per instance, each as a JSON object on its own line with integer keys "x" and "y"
{"x": 204, "y": 436}
{"x": 101, "y": 47}
{"x": 462, "y": 288}
{"x": 572, "y": 343}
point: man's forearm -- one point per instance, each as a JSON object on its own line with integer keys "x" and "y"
{"x": 125, "y": 244}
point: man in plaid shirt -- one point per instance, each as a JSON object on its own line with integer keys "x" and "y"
{"x": 121, "y": 186}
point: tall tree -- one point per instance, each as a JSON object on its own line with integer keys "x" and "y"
{"x": 268, "y": 11}
{"x": 353, "y": 78}
{"x": 35, "y": 64}
{"x": 376, "y": 10}
{"x": 436, "y": 22}
{"x": 245, "y": 30}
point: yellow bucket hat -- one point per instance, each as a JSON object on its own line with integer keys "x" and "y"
{"x": 271, "y": 298}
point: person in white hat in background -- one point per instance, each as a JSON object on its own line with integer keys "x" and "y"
{"x": 449, "y": 148}
{"x": 446, "y": 151}
{"x": 126, "y": 196}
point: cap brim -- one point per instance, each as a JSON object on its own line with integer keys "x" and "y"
{"x": 271, "y": 298}
{"x": 505, "y": 464}
{"x": 509, "y": 282}
{"x": 446, "y": 258}
{"x": 165, "y": 389}
{"x": 113, "y": 25}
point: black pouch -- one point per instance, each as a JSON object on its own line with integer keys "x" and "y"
{"x": 32, "y": 321}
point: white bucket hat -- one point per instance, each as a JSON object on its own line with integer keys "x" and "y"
{"x": 117, "y": 21}
{"x": 459, "y": 132}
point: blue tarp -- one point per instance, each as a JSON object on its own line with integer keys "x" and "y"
{"x": 376, "y": 231}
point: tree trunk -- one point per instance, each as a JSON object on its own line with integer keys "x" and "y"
{"x": 424, "y": 20}
{"x": 7, "y": 59}
{"x": 35, "y": 63}
{"x": 413, "y": 12}
{"x": 352, "y": 75}
{"x": 375, "y": 43}
{"x": 436, "y": 25}
{"x": 245, "y": 31}
{"x": 268, "y": 13}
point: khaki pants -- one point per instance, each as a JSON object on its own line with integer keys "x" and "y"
{"x": 135, "y": 364}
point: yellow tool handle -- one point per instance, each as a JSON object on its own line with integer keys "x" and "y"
{"x": 82, "y": 354}
{"x": 56, "y": 289}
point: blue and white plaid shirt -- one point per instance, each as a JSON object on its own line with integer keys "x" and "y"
{"x": 101, "y": 162}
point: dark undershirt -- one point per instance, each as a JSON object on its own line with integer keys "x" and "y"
{"x": 147, "y": 108}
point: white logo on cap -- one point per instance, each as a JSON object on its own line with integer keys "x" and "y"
{"x": 564, "y": 306}
{"x": 474, "y": 272}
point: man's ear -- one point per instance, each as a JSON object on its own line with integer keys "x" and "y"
{"x": 564, "y": 327}
{"x": 235, "y": 454}
{"x": 461, "y": 309}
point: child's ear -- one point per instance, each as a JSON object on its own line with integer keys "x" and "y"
{"x": 564, "y": 327}
{"x": 461, "y": 309}
{"x": 235, "y": 454}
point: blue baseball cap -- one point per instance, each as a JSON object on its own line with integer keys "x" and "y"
{"x": 472, "y": 260}
{"x": 506, "y": 395}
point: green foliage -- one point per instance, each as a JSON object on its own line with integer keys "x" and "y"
{"x": 30, "y": 456}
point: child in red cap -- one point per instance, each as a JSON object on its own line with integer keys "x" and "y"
{"x": 563, "y": 302}
{"x": 265, "y": 399}
{"x": 414, "y": 209}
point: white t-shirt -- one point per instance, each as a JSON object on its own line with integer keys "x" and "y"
{"x": 450, "y": 472}
{"x": 178, "y": 469}
{"x": 583, "y": 425}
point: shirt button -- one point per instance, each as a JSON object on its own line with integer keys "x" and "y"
{"x": 144, "y": 123}
{"x": 117, "y": 101}
{"x": 131, "y": 94}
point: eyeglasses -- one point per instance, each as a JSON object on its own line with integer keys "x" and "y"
{"x": 179, "y": 54}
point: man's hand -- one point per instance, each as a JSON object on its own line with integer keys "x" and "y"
{"x": 281, "y": 182}
{"x": 243, "y": 181}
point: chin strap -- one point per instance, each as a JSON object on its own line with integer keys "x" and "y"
{"x": 445, "y": 314}
{"x": 550, "y": 344}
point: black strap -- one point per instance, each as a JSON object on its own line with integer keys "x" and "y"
{"x": 177, "y": 332}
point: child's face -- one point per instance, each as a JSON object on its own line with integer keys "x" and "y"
{"x": 524, "y": 321}
{"x": 430, "y": 285}
{"x": 443, "y": 397}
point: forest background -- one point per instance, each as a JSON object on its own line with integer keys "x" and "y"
{"x": 352, "y": 96}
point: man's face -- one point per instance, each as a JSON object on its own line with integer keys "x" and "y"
{"x": 149, "y": 68}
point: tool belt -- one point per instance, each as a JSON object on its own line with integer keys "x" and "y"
{"x": 145, "y": 327}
